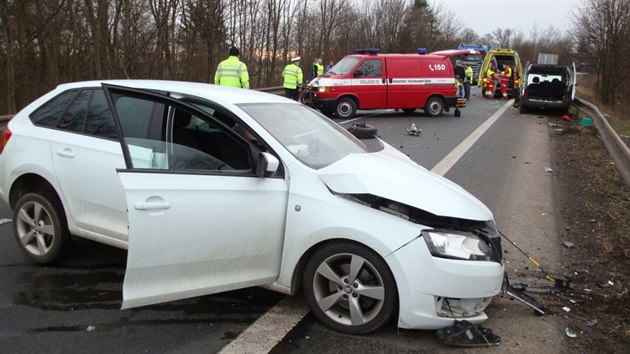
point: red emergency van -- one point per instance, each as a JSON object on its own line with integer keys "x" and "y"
{"x": 370, "y": 80}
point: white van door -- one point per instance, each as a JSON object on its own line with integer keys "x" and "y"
{"x": 573, "y": 80}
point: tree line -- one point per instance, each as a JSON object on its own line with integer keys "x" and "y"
{"x": 48, "y": 42}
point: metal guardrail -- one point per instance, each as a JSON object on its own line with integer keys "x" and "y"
{"x": 617, "y": 149}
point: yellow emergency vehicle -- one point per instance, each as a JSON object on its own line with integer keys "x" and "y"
{"x": 499, "y": 58}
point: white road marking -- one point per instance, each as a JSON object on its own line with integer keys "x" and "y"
{"x": 274, "y": 325}
{"x": 270, "y": 328}
{"x": 449, "y": 161}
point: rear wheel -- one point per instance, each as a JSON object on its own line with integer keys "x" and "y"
{"x": 434, "y": 107}
{"x": 350, "y": 288}
{"x": 346, "y": 108}
{"x": 40, "y": 227}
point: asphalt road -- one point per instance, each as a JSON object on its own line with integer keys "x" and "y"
{"x": 74, "y": 307}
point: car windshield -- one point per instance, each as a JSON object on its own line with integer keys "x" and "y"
{"x": 344, "y": 66}
{"x": 312, "y": 138}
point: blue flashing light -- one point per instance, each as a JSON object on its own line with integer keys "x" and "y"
{"x": 422, "y": 51}
{"x": 367, "y": 51}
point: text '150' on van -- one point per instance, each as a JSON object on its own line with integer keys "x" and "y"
{"x": 369, "y": 80}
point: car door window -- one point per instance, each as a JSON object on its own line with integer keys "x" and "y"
{"x": 99, "y": 121}
{"x": 369, "y": 68}
{"x": 161, "y": 135}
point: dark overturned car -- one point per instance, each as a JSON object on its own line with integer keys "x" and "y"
{"x": 547, "y": 86}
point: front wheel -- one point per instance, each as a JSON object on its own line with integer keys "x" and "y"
{"x": 40, "y": 227}
{"x": 350, "y": 288}
{"x": 346, "y": 108}
{"x": 434, "y": 107}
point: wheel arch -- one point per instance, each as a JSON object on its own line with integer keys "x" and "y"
{"x": 31, "y": 182}
{"x": 298, "y": 270}
{"x": 351, "y": 96}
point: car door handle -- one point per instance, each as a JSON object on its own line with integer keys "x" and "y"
{"x": 152, "y": 205}
{"x": 66, "y": 152}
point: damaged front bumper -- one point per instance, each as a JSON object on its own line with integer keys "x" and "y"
{"x": 440, "y": 290}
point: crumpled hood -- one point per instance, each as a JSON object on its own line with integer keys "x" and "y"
{"x": 392, "y": 175}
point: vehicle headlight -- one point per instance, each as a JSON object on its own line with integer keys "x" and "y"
{"x": 457, "y": 245}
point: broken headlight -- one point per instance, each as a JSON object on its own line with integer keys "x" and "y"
{"x": 457, "y": 245}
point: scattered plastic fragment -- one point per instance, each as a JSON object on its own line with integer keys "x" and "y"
{"x": 552, "y": 125}
{"x": 568, "y": 244}
{"x": 566, "y": 118}
{"x": 466, "y": 334}
{"x": 605, "y": 283}
{"x": 591, "y": 323}
{"x": 566, "y": 309}
{"x": 90, "y": 328}
{"x": 570, "y": 333}
{"x": 413, "y": 130}
{"x": 548, "y": 169}
{"x": 4, "y": 221}
{"x": 592, "y": 221}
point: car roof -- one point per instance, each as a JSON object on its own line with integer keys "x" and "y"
{"x": 220, "y": 94}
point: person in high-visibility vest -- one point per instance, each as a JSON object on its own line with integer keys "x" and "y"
{"x": 506, "y": 75}
{"x": 318, "y": 68}
{"x": 468, "y": 79}
{"x": 292, "y": 77}
{"x": 232, "y": 72}
{"x": 489, "y": 83}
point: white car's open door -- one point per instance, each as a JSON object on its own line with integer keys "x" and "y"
{"x": 192, "y": 235}
{"x": 573, "y": 80}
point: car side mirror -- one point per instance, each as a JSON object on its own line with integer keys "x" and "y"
{"x": 266, "y": 165}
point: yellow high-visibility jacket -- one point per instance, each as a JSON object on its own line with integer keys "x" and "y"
{"x": 291, "y": 76}
{"x": 232, "y": 72}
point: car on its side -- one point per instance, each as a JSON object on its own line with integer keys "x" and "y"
{"x": 547, "y": 86}
{"x": 213, "y": 188}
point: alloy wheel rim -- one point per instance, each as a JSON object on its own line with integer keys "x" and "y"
{"x": 349, "y": 289}
{"x": 35, "y": 228}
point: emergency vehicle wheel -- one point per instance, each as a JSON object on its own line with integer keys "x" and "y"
{"x": 346, "y": 108}
{"x": 434, "y": 107}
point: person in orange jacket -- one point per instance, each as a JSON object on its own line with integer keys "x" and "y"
{"x": 506, "y": 75}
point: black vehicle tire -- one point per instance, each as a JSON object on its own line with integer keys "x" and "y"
{"x": 409, "y": 110}
{"x": 362, "y": 131}
{"x": 346, "y": 108}
{"x": 40, "y": 228}
{"x": 434, "y": 107}
{"x": 328, "y": 273}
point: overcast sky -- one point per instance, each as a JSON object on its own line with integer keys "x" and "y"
{"x": 485, "y": 16}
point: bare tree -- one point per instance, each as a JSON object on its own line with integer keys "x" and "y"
{"x": 602, "y": 28}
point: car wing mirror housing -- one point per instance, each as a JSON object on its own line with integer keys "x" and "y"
{"x": 266, "y": 165}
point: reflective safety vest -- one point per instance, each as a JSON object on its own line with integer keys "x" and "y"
{"x": 320, "y": 70}
{"x": 232, "y": 72}
{"x": 490, "y": 74}
{"x": 292, "y": 76}
{"x": 468, "y": 74}
{"x": 507, "y": 72}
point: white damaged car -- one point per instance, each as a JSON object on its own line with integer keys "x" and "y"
{"x": 213, "y": 189}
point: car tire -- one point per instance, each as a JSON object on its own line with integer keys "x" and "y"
{"x": 362, "y": 131}
{"x": 339, "y": 298}
{"x": 346, "y": 108}
{"x": 40, "y": 227}
{"x": 434, "y": 107}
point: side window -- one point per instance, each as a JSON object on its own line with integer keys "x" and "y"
{"x": 51, "y": 111}
{"x": 99, "y": 121}
{"x": 74, "y": 117}
{"x": 162, "y": 136}
{"x": 369, "y": 68}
